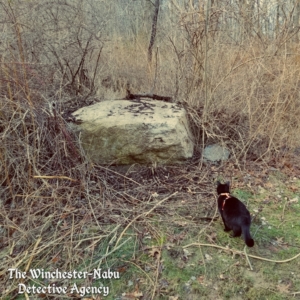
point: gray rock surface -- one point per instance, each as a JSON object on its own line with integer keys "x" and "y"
{"x": 215, "y": 153}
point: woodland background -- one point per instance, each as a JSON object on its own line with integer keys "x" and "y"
{"x": 235, "y": 67}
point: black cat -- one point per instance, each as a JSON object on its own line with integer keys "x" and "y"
{"x": 234, "y": 214}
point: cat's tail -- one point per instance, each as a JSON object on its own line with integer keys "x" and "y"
{"x": 247, "y": 237}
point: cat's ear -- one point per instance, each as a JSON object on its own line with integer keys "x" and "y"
{"x": 218, "y": 183}
{"x": 227, "y": 183}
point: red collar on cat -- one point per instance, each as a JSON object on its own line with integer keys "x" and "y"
{"x": 227, "y": 197}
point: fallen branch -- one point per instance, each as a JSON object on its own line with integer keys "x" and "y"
{"x": 242, "y": 253}
{"x": 130, "y": 96}
{"x": 55, "y": 177}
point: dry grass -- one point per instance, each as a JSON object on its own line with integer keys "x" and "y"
{"x": 79, "y": 225}
{"x": 253, "y": 102}
{"x": 59, "y": 211}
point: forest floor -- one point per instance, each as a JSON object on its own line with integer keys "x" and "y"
{"x": 156, "y": 232}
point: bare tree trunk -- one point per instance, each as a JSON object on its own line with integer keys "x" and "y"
{"x": 277, "y": 21}
{"x": 153, "y": 32}
{"x": 296, "y": 21}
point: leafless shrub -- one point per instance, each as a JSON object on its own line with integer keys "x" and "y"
{"x": 56, "y": 209}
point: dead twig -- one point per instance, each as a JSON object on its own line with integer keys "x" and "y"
{"x": 53, "y": 177}
{"x": 247, "y": 258}
{"x": 144, "y": 214}
{"x": 242, "y": 252}
{"x": 156, "y": 273}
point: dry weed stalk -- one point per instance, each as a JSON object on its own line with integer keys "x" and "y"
{"x": 59, "y": 211}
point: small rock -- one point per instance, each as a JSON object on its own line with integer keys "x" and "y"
{"x": 215, "y": 153}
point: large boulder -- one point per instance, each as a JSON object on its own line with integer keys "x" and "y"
{"x": 134, "y": 131}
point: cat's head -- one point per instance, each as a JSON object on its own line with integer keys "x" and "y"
{"x": 223, "y": 187}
